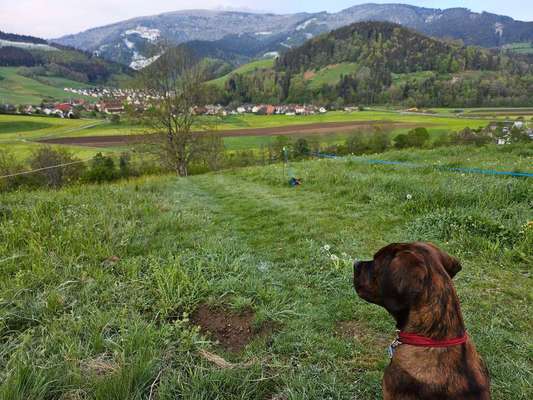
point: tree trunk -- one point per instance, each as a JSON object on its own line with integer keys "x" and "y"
{"x": 182, "y": 169}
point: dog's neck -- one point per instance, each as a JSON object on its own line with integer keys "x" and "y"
{"x": 439, "y": 317}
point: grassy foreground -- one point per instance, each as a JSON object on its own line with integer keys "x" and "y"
{"x": 75, "y": 324}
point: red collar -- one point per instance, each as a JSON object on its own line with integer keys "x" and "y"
{"x": 421, "y": 341}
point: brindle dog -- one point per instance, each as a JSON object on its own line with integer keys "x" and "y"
{"x": 413, "y": 282}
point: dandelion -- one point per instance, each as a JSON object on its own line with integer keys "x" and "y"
{"x": 334, "y": 258}
{"x": 327, "y": 247}
{"x": 409, "y": 196}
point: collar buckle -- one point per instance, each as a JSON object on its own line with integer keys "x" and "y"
{"x": 395, "y": 343}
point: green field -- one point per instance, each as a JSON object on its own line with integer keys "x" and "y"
{"x": 329, "y": 75}
{"x": 17, "y": 89}
{"x": 244, "y": 69}
{"x": 78, "y": 324}
{"x": 520, "y": 48}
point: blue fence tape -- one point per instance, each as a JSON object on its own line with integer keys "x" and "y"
{"x": 412, "y": 165}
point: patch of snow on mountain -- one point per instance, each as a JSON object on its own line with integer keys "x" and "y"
{"x": 139, "y": 61}
{"x": 498, "y": 28}
{"x": 305, "y": 24}
{"x": 308, "y": 35}
{"x": 271, "y": 54}
{"x": 146, "y": 33}
{"x": 25, "y": 45}
{"x": 129, "y": 45}
{"x": 263, "y": 33}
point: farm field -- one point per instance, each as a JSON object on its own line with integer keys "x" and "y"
{"x": 104, "y": 287}
{"x": 17, "y": 89}
{"x": 22, "y": 131}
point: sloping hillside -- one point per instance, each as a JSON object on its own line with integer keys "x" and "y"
{"x": 245, "y": 69}
{"x": 103, "y": 287}
{"x": 18, "y": 89}
{"x": 38, "y": 58}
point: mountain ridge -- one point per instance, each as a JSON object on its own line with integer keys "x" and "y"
{"x": 135, "y": 39}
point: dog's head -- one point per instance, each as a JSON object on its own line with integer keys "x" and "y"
{"x": 404, "y": 275}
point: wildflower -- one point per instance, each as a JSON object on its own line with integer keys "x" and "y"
{"x": 334, "y": 257}
{"x": 409, "y": 196}
{"x": 327, "y": 247}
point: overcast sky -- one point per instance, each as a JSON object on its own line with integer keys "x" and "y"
{"x": 53, "y": 18}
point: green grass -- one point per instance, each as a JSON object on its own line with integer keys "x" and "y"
{"x": 17, "y": 89}
{"x": 244, "y": 69}
{"x": 520, "y": 48}
{"x": 330, "y": 75}
{"x": 72, "y": 326}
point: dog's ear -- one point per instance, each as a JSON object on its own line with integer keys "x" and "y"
{"x": 409, "y": 272}
{"x": 452, "y": 266}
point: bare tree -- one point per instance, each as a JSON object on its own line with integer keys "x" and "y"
{"x": 173, "y": 89}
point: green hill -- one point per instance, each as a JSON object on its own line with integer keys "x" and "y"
{"x": 102, "y": 286}
{"x": 361, "y": 63}
{"x": 17, "y": 89}
{"x": 329, "y": 75}
{"x": 246, "y": 69}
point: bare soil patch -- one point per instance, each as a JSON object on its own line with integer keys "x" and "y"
{"x": 308, "y": 75}
{"x": 361, "y": 332}
{"x": 289, "y": 130}
{"x": 232, "y": 330}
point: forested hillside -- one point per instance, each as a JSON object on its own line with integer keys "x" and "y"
{"x": 386, "y": 63}
{"x": 38, "y": 58}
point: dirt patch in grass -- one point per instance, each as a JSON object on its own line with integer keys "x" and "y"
{"x": 308, "y": 75}
{"x": 356, "y": 330}
{"x": 232, "y": 330}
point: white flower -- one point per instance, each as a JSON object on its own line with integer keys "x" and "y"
{"x": 409, "y": 196}
{"x": 334, "y": 257}
{"x": 327, "y": 247}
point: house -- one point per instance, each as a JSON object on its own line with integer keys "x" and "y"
{"x": 322, "y": 110}
{"x": 110, "y": 107}
{"x": 63, "y": 107}
{"x": 270, "y": 109}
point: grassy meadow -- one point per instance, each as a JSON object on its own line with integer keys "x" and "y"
{"x": 18, "y": 89}
{"x": 101, "y": 285}
{"x": 244, "y": 69}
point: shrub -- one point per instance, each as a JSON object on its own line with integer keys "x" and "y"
{"x": 102, "y": 169}
{"x": 301, "y": 148}
{"x": 9, "y": 165}
{"x": 58, "y": 167}
{"x": 357, "y": 143}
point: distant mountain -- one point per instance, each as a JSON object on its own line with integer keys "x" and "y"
{"x": 135, "y": 42}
